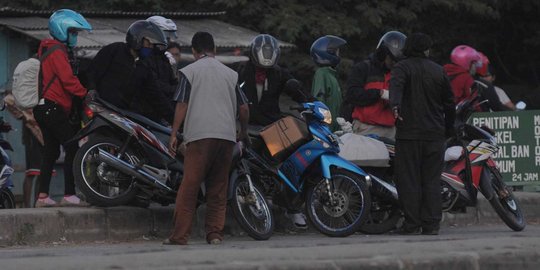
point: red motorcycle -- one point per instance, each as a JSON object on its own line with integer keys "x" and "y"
{"x": 469, "y": 168}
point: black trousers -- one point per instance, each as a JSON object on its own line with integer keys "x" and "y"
{"x": 418, "y": 171}
{"x": 56, "y": 130}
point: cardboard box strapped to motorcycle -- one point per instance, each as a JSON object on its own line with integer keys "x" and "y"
{"x": 284, "y": 136}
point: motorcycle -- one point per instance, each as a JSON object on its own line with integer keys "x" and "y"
{"x": 469, "y": 168}
{"x": 472, "y": 169}
{"x": 7, "y": 199}
{"x": 120, "y": 160}
{"x": 334, "y": 191}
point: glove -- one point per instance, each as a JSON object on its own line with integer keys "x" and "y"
{"x": 385, "y": 94}
{"x": 171, "y": 58}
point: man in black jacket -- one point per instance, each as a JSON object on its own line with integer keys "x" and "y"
{"x": 422, "y": 101}
{"x": 110, "y": 73}
{"x": 264, "y": 81}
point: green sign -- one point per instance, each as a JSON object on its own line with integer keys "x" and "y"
{"x": 518, "y": 136}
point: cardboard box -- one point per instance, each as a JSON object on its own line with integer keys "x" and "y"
{"x": 284, "y": 136}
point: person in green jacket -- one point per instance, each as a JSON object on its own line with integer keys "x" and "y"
{"x": 325, "y": 53}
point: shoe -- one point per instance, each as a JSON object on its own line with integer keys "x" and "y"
{"x": 298, "y": 219}
{"x": 45, "y": 202}
{"x": 403, "y": 231}
{"x": 215, "y": 241}
{"x": 169, "y": 242}
{"x": 73, "y": 200}
{"x": 430, "y": 231}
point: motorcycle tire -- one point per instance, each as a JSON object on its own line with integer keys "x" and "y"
{"x": 84, "y": 175}
{"x": 259, "y": 224}
{"x": 7, "y": 199}
{"x": 507, "y": 207}
{"x": 382, "y": 221}
{"x": 325, "y": 217}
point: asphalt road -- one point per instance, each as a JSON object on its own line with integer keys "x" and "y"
{"x": 491, "y": 247}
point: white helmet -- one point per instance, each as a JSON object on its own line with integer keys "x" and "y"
{"x": 166, "y": 25}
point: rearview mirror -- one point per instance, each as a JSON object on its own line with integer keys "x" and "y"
{"x": 520, "y": 106}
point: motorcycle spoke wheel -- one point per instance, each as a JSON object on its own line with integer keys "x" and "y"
{"x": 343, "y": 211}
{"x": 257, "y": 222}
{"x": 101, "y": 178}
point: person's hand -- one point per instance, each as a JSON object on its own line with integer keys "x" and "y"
{"x": 244, "y": 137}
{"x": 173, "y": 144}
{"x": 395, "y": 111}
{"x": 385, "y": 94}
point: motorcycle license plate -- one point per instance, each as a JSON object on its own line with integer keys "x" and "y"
{"x": 83, "y": 141}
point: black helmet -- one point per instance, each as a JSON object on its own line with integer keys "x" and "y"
{"x": 145, "y": 29}
{"x": 265, "y": 51}
{"x": 392, "y": 44}
{"x": 324, "y": 50}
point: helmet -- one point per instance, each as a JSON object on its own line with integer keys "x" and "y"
{"x": 64, "y": 24}
{"x": 483, "y": 69}
{"x": 392, "y": 44}
{"x": 265, "y": 51}
{"x": 145, "y": 29}
{"x": 464, "y": 56}
{"x": 166, "y": 25}
{"x": 324, "y": 50}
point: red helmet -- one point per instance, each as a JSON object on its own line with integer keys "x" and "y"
{"x": 464, "y": 56}
{"x": 483, "y": 70}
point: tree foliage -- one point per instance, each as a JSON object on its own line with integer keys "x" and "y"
{"x": 508, "y": 31}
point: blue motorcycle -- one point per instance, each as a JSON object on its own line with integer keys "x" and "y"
{"x": 7, "y": 200}
{"x": 335, "y": 191}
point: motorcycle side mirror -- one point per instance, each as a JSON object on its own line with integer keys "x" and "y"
{"x": 520, "y": 106}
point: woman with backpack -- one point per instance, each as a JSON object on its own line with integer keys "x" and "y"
{"x": 57, "y": 87}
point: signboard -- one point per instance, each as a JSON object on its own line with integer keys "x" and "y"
{"x": 518, "y": 136}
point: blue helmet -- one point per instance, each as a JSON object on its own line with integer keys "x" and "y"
{"x": 324, "y": 50}
{"x": 64, "y": 25}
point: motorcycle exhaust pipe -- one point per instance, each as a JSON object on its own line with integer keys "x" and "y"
{"x": 129, "y": 169}
{"x": 383, "y": 187}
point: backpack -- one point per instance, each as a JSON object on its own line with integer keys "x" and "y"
{"x": 27, "y": 80}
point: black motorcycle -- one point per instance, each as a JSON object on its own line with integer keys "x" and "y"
{"x": 120, "y": 160}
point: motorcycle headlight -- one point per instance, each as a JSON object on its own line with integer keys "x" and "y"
{"x": 327, "y": 115}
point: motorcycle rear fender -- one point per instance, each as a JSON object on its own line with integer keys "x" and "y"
{"x": 95, "y": 124}
{"x": 332, "y": 160}
{"x": 233, "y": 177}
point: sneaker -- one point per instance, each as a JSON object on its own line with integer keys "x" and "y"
{"x": 45, "y": 202}
{"x": 215, "y": 241}
{"x": 298, "y": 219}
{"x": 73, "y": 200}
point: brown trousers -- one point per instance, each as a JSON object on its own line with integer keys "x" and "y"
{"x": 206, "y": 160}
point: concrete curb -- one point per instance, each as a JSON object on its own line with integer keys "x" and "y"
{"x": 30, "y": 226}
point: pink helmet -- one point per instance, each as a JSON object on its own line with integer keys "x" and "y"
{"x": 464, "y": 56}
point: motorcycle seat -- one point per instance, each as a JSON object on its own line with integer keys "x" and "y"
{"x": 146, "y": 122}
{"x": 254, "y": 131}
{"x": 382, "y": 139}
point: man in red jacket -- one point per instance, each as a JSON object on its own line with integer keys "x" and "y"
{"x": 58, "y": 86}
{"x": 367, "y": 88}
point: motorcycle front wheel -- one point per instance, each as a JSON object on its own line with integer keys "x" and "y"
{"x": 7, "y": 200}
{"x": 257, "y": 221}
{"x": 343, "y": 209}
{"x": 505, "y": 203}
{"x": 101, "y": 184}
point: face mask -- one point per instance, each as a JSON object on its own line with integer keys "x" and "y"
{"x": 145, "y": 52}
{"x": 72, "y": 39}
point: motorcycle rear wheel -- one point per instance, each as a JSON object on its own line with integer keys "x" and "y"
{"x": 7, "y": 200}
{"x": 258, "y": 223}
{"x": 349, "y": 210}
{"x": 100, "y": 184}
{"x": 382, "y": 220}
{"x": 505, "y": 203}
